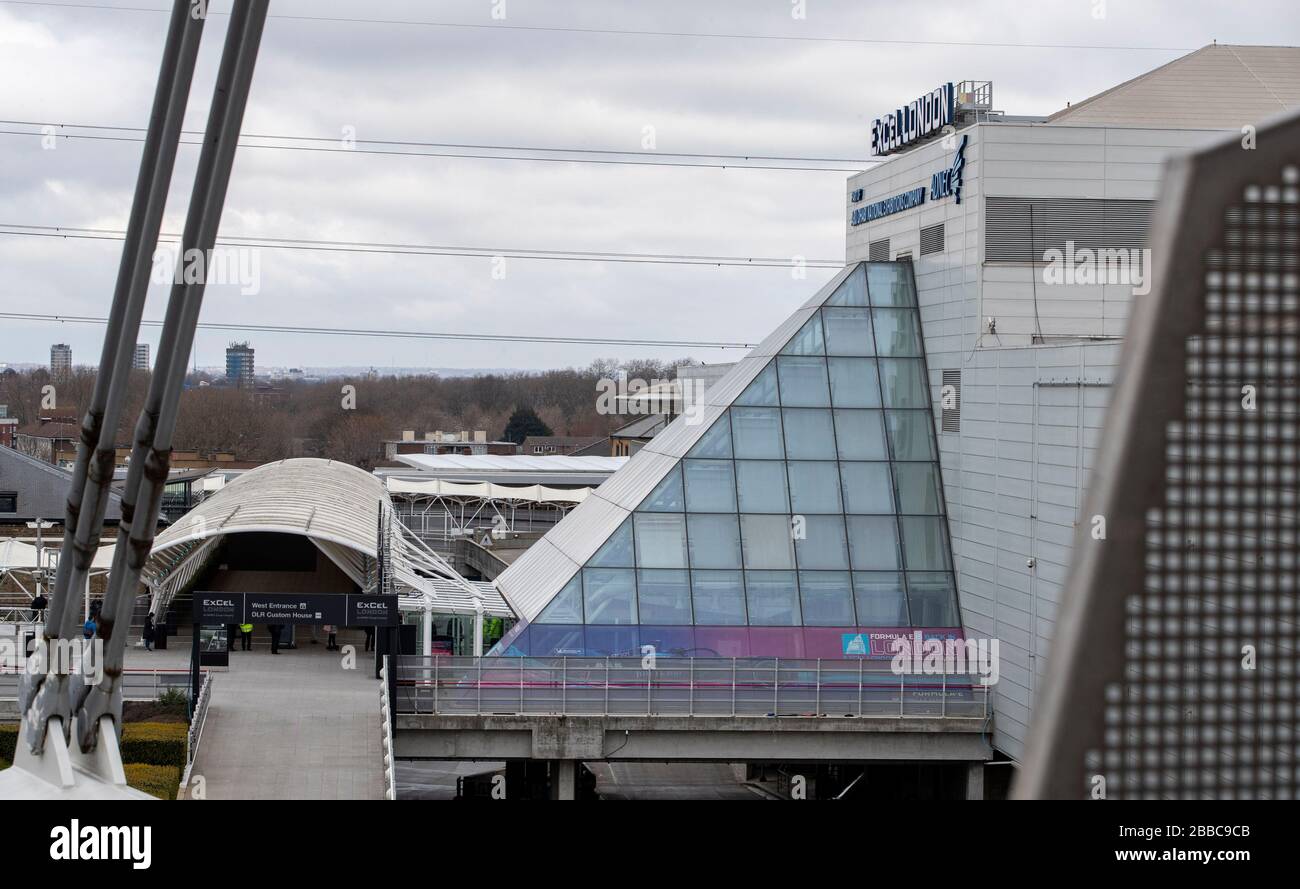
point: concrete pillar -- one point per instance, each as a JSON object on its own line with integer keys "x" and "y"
{"x": 975, "y": 780}
{"x": 564, "y": 779}
{"x": 428, "y": 630}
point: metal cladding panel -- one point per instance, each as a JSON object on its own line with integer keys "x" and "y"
{"x": 685, "y": 431}
{"x": 629, "y": 486}
{"x": 535, "y": 577}
{"x": 582, "y": 531}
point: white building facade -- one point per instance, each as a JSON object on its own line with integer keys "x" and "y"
{"x": 1023, "y": 315}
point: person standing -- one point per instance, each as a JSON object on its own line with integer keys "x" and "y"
{"x": 331, "y": 642}
{"x": 370, "y": 638}
{"x": 39, "y": 604}
{"x": 274, "y": 630}
{"x": 246, "y": 637}
{"x": 149, "y": 632}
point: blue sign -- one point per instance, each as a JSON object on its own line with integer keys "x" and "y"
{"x": 947, "y": 182}
{"x": 918, "y": 119}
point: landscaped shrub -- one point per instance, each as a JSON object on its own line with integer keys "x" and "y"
{"x": 8, "y": 741}
{"x": 159, "y": 781}
{"x": 154, "y": 743}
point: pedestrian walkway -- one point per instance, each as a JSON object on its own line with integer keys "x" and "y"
{"x": 292, "y": 726}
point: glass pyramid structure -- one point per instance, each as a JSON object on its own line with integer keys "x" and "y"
{"x": 798, "y": 512}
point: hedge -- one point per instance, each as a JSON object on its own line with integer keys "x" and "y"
{"x": 159, "y": 781}
{"x": 8, "y": 741}
{"x": 154, "y": 743}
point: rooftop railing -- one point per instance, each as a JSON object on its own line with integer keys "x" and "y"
{"x": 584, "y": 686}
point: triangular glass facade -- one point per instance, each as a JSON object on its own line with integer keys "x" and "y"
{"x": 810, "y": 512}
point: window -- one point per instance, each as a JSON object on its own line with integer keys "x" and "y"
{"x": 848, "y": 331}
{"x": 873, "y": 543}
{"x": 762, "y": 391}
{"x": 911, "y": 435}
{"x": 827, "y": 598}
{"x": 8, "y": 501}
{"x": 664, "y": 597}
{"x": 803, "y": 381}
{"x": 565, "y": 608}
{"x": 617, "y": 551}
{"x": 719, "y": 598}
{"x": 609, "y": 595}
{"x": 809, "y": 434}
{"x": 860, "y": 435}
{"x": 890, "y": 285}
{"x": 866, "y": 487}
{"x": 761, "y": 485}
{"x": 716, "y": 442}
{"x": 809, "y": 340}
{"x": 714, "y": 541}
{"x": 881, "y": 599}
{"x": 773, "y": 598}
{"x": 933, "y": 599}
{"x": 756, "y": 432}
{"x": 766, "y": 541}
{"x": 660, "y": 540}
{"x": 852, "y": 291}
{"x": 925, "y": 545}
{"x": 897, "y": 333}
{"x": 710, "y": 486}
{"x": 814, "y": 486}
{"x": 854, "y": 382}
{"x": 822, "y": 545}
{"x": 667, "y": 495}
{"x": 919, "y": 489}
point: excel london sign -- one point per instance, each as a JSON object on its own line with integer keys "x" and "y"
{"x": 920, "y": 118}
{"x": 943, "y": 184}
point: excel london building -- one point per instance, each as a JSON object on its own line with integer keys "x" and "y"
{"x": 930, "y": 416}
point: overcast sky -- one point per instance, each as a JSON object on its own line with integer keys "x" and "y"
{"x": 522, "y": 88}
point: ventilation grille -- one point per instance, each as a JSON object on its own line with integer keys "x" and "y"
{"x": 1093, "y": 223}
{"x": 951, "y": 419}
{"x": 932, "y": 239}
{"x": 878, "y": 251}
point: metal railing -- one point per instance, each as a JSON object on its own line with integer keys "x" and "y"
{"x": 386, "y": 732}
{"x": 137, "y": 685}
{"x": 197, "y": 720}
{"x": 580, "y": 686}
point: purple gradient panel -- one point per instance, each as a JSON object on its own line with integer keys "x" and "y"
{"x": 827, "y": 642}
{"x": 556, "y": 640}
{"x": 613, "y": 641}
{"x": 670, "y": 641}
{"x": 722, "y": 642}
{"x": 776, "y": 642}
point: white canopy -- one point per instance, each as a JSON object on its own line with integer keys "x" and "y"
{"x": 487, "y": 491}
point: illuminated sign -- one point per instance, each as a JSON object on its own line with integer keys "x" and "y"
{"x": 943, "y": 184}
{"x": 916, "y": 120}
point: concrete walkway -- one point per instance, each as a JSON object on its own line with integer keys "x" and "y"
{"x": 292, "y": 726}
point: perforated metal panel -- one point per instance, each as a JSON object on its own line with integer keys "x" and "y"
{"x": 1011, "y": 235}
{"x": 878, "y": 251}
{"x": 950, "y": 401}
{"x": 1175, "y": 668}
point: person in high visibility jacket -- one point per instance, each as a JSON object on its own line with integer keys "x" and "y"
{"x": 246, "y": 637}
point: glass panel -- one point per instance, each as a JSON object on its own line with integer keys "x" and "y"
{"x": 897, "y": 332}
{"x": 547, "y": 641}
{"x": 609, "y": 595}
{"x": 613, "y": 642}
{"x": 773, "y": 598}
{"x": 873, "y": 543}
{"x": 814, "y": 487}
{"x": 890, "y": 284}
{"x": 852, "y": 292}
{"x": 848, "y": 332}
{"x": 756, "y": 432}
{"x": 867, "y": 488}
{"x": 882, "y": 601}
{"x": 667, "y": 495}
{"x": 664, "y": 597}
{"x": 925, "y": 545}
{"x": 719, "y": 598}
{"x": 911, "y": 435}
{"x": 854, "y": 382}
{"x": 918, "y": 488}
{"x": 934, "y": 601}
{"x": 566, "y": 607}
{"x": 763, "y": 389}
{"x": 660, "y": 540}
{"x": 808, "y": 341}
{"x": 766, "y": 541}
{"x": 903, "y": 383}
{"x": 710, "y": 486}
{"x": 617, "y": 551}
{"x": 809, "y": 434}
{"x": 827, "y": 598}
{"x": 716, "y": 442}
{"x": 803, "y": 382}
{"x": 714, "y": 541}
{"x": 860, "y": 435}
{"x": 822, "y": 545}
{"x": 761, "y": 485}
